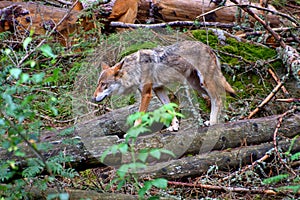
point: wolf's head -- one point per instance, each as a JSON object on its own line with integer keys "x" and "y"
{"x": 108, "y": 81}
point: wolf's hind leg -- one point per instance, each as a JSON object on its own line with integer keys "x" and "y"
{"x": 163, "y": 97}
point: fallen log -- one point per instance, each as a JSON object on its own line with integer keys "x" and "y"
{"x": 42, "y": 18}
{"x": 225, "y": 160}
{"x": 96, "y": 135}
{"x": 176, "y": 10}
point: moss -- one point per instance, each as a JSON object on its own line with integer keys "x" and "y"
{"x": 206, "y": 37}
{"x": 203, "y": 105}
{"x": 247, "y": 51}
{"x": 137, "y": 46}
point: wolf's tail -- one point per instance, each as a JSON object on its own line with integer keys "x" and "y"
{"x": 229, "y": 89}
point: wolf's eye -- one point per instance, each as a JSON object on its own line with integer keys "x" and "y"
{"x": 103, "y": 85}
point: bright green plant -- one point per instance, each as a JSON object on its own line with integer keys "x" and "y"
{"x": 293, "y": 181}
{"x": 128, "y": 172}
{"x": 20, "y": 125}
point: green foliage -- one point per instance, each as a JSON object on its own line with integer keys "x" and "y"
{"x": 281, "y": 3}
{"x": 20, "y": 124}
{"x": 249, "y": 52}
{"x": 276, "y": 179}
{"x": 206, "y": 37}
{"x": 292, "y": 181}
{"x": 128, "y": 171}
{"x": 135, "y": 47}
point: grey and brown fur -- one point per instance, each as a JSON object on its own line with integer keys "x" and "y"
{"x": 152, "y": 69}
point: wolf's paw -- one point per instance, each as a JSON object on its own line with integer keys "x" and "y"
{"x": 137, "y": 122}
{"x": 207, "y": 123}
{"x": 174, "y": 125}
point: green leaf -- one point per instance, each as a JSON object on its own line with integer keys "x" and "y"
{"x": 67, "y": 131}
{"x": 155, "y": 153}
{"x": 167, "y": 152}
{"x": 134, "y": 132}
{"x": 133, "y": 117}
{"x": 24, "y": 77}
{"x": 15, "y": 72}
{"x": 143, "y": 190}
{"x": 104, "y": 154}
{"x": 32, "y": 63}
{"x": 114, "y": 149}
{"x": 37, "y": 78}
{"x": 123, "y": 148}
{"x": 275, "y": 179}
{"x": 120, "y": 184}
{"x": 295, "y": 156}
{"x": 47, "y": 51}
{"x": 64, "y": 196}
{"x": 142, "y": 156}
{"x": 26, "y": 42}
{"x": 136, "y": 165}
{"x": 160, "y": 183}
{"x": 123, "y": 170}
{"x": 294, "y": 188}
{"x": 7, "y": 51}
{"x": 2, "y": 122}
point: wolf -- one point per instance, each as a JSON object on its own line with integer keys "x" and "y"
{"x": 150, "y": 70}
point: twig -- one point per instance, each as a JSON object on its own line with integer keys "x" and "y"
{"x": 223, "y": 188}
{"x": 175, "y": 23}
{"x": 267, "y": 99}
{"x": 274, "y": 12}
{"x": 290, "y": 100}
{"x": 264, "y": 24}
{"x": 256, "y": 7}
{"x": 265, "y": 157}
{"x": 235, "y": 56}
{"x": 263, "y": 32}
{"x": 280, "y": 119}
{"x": 47, "y": 35}
{"x": 275, "y": 77}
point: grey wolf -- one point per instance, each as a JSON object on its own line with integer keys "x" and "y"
{"x": 152, "y": 69}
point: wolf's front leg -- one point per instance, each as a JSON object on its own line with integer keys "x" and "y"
{"x": 146, "y": 97}
{"x": 163, "y": 97}
{"x": 174, "y": 125}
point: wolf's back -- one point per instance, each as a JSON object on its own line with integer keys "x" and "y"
{"x": 205, "y": 61}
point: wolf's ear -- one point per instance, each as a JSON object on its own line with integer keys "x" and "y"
{"x": 119, "y": 66}
{"x": 104, "y": 66}
{"x": 117, "y": 69}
